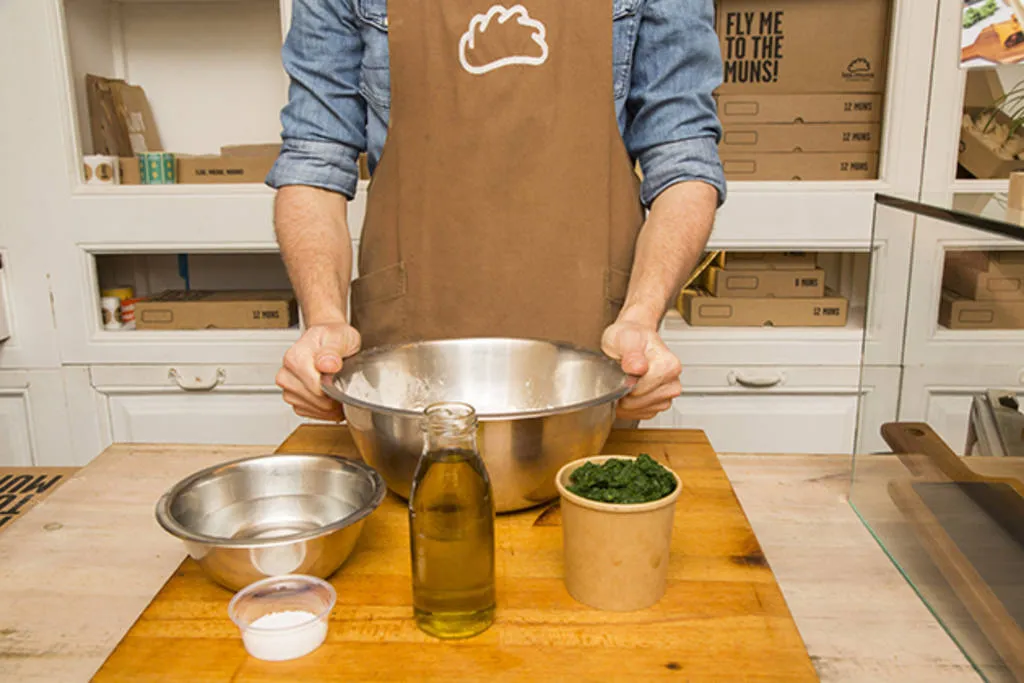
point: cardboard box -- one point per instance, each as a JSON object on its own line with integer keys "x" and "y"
{"x": 699, "y": 308}
{"x": 815, "y": 108}
{"x": 271, "y": 149}
{"x": 740, "y": 165}
{"x": 199, "y": 310}
{"x": 800, "y": 137}
{"x": 767, "y": 260}
{"x": 120, "y": 118}
{"x": 959, "y": 313}
{"x": 22, "y": 488}
{"x": 130, "y": 172}
{"x": 996, "y": 263}
{"x": 764, "y": 283}
{"x": 201, "y": 170}
{"x": 803, "y": 46}
{"x": 979, "y": 284}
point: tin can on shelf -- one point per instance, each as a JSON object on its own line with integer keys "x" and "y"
{"x": 110, "y": 307}
{"x": 128, "y": 313}
{"x": 120, "y": 292}
{"x": 157, "y": 168}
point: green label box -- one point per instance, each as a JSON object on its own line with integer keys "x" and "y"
{"x": 156, "y": 168}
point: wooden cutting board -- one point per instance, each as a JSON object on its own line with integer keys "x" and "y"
{"x": 723, "y": 617}
{"x": 23, "y": 487}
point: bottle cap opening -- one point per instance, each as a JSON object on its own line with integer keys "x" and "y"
{"x": 449, "y": 416}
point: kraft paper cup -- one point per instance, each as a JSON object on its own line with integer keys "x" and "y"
{"x": 616, "y": 556}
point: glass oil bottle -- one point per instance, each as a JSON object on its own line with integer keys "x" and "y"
{"x": 451, "y": 527}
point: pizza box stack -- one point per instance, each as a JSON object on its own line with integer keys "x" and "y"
{"x": 983, "y": 290}
{"x": 802, "y": 88}
{"x": 763, "y": 289}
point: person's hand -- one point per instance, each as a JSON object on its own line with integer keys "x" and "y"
{"x": 643, "y": 354}
{"x": 319, "y": 351}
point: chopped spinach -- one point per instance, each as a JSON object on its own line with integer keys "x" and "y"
{"x": 622, "y": 481}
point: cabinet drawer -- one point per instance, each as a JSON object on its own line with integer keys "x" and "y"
{"x": 15, "y": 429}
{"x": 221, "y": 418}
{"x": 208, "y": 404}
{"x": 790, "y": 423}
{"x": 764, "y": 409}
{"x": 770, "y": 378}
{"x": 181, "y": 377}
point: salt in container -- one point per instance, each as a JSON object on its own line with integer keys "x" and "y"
{"x": 283, "y": 617}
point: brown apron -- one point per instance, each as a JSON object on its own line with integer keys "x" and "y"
{"x": 505, "y": 203}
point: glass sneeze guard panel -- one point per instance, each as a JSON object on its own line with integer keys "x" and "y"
{"x": 947, "y": 503}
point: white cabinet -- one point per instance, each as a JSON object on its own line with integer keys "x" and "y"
{"x": 15, "y": 427}
{"x": 34, "y": 420}
{"x": 792, "y": 409}
{"x": 930, "y": 344}
{"x": 225, "y": 404}
{"x": 942, "y": 395}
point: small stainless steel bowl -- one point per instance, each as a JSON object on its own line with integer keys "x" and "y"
{"x": 253, "y": 518}
{"x": 540, "y": 405}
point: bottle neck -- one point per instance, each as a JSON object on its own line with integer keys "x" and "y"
{"x": 450, "y": 442}
{"x": 449, "y": 427}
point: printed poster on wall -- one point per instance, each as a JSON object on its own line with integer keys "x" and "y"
{"x": 991, "y": 33}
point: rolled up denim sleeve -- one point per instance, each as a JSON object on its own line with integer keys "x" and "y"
{"x": 324, "y": 121}
{"x": 672, "y": 123}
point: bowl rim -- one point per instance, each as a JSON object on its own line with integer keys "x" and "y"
{"x": 175, "y": 528}
{"x": 625, "y": 385}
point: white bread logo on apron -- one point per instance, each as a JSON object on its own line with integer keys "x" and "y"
{"x": 519, "y": 42}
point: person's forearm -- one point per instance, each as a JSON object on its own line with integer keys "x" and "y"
{"x": 312, "y": 231}
{"x": 670, "y": 244}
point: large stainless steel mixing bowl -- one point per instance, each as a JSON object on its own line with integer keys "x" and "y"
{"x": 249, "y": 519}
{"x": 540, "y": 405}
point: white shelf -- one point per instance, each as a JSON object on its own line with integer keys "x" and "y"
{"x": 217, "y": 219}
{"x": 796, "y": 215}
{"x": 218, "y": 216}
{"x": 127, "y": 347}
{"x": 226, "y": 190}
{"x": 979, "y": 186}
{"x": 837, "y": 346}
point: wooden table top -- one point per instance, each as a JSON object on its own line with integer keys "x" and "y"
{"x": 78, "y": 570}
{"x": 723, "y": 613}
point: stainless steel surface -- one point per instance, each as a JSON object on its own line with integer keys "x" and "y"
{"x": 996, "y": 425}
{"x": 540, "y": 405}
{"x": 249, "y": 519}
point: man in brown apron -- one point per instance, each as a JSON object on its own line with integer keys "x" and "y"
{"x": 504, "y": 203}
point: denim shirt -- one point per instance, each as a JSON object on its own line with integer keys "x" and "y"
{"x": 666, "y": 62}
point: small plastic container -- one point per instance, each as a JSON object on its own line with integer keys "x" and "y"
{"x": 283, "y": 617}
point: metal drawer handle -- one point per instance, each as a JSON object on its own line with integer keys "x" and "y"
{"x": 197, "y": 383}
{"x": 756, "y": 382}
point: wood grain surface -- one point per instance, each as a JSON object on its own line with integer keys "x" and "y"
{"x": 723, "y": 617}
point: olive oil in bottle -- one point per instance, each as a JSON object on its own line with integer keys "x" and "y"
{"x": 451, "y": 528}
